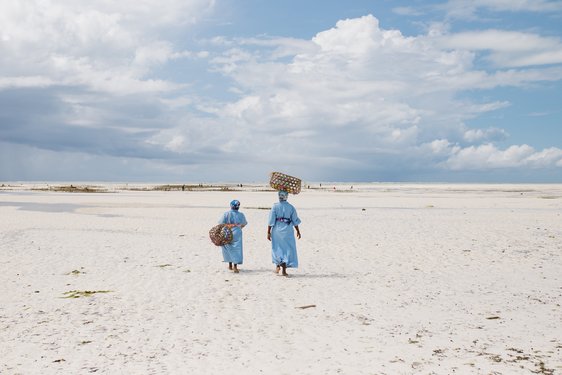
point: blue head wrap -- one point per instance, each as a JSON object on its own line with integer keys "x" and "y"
{"x": 283, "y": 195}
{"x": 235, "y": 204}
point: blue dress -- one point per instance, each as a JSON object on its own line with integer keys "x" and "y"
{"x": 232, "y": 252}
{"x": 282, "y": 218}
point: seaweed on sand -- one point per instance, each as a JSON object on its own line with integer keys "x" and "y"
{"x": 83, "y": 293}
{"x": 73, "y": 189}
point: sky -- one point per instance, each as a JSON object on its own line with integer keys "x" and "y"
{"x": 231, "y": 90}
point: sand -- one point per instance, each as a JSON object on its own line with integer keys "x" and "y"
{"x": 393, "y": 279}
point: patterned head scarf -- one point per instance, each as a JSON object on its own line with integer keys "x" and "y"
{"x": 235, "y": 204}
{"x": 283, "y": 195}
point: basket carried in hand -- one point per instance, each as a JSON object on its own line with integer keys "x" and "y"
{"x": 221, "y": 235}
{"x": 280, "y": 181}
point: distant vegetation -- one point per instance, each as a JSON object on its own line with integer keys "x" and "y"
{"x": 191, "y": 187}
{"x": 187, "y": 187}
{"x": 74, "y": 189}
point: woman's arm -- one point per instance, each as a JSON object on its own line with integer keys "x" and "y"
{"x": 298, "y": 232}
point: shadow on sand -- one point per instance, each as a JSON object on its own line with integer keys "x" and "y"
{"x": 250, "y": 271}
{"x": 292, "y": 275}
{"x": 317, "y": 275}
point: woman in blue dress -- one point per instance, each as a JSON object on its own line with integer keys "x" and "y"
{"x": 282, "y": 218}
{"x": 232, "y": 253}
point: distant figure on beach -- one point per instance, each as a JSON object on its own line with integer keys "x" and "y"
{"x": 282, "y": 218}
{"x": 232, "y": 253}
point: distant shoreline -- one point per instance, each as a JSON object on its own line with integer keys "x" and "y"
{"x": 335, "y": 187}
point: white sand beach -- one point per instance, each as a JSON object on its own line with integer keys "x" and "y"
{"x": 402, "y": 279}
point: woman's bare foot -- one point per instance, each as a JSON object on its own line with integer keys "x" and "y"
{"x": 236, "y": 270}
{"x": 230, "y": 266}
{"x": 277, "y": 269}
{"x": 284, "y": 266}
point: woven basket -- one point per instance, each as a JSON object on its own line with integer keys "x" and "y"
{"x": 280, "y": 181}
{"x": 221, "y": 235}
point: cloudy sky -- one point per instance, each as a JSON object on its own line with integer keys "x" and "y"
{"x": 229, "y": 90}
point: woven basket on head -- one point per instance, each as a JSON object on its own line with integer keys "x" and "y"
{"x": 221, "y": 235}
{"x": 280, "y": 181}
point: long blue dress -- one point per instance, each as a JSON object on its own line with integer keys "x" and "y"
{"x": 282, "y": 218}
{"x": 232, "y": 252}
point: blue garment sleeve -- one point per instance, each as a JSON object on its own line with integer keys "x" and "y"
{"x": 272, "y": 217}
{"x": 294, "y": 217}
{"x": 224, "y": 218}
{"x": 242, "y": 219}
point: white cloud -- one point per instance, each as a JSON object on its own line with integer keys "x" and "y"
{"x": 351, "y": 97}
{"x": 440, "y": 146}
{"x": 546, "y": 158}
{"x": 357, "y": 88}
{"x": 190, "y": 55}
{"x": 106, "y": 45}
{"x": 487, "y": 156}
{"x": 468, "y": 8}
{"x": 507, "y": 48}
{"x": 499, "y": 40}
{"x": 407, "y": 11}
{"x": 25, "y": 81}
{"x": 484, "y": 135}
{"x": 521, "y": 5}
{"x": 347, "y": 74}
{"x": 357, "y": 75}
{"x": 152, "y": 54}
